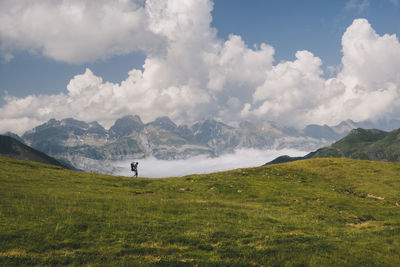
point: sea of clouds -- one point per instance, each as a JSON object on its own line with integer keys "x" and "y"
{"x": 242, "y": 158}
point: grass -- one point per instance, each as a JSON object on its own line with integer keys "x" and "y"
{"x": 365, "y": 144}
{"x": 317, "y": 212}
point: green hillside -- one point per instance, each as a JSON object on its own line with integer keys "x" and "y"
{"x": 12, "y": 148}
{"x": 365, "y": 144}
{"x": 314, "y": 212}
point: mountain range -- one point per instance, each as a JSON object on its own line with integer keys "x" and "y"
{"x": 91, "y": 147}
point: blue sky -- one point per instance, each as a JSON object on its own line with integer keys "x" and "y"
{"x": 191, "y": 73}
{"x": 313, "y": 25}
{"x": 287, "y": 25}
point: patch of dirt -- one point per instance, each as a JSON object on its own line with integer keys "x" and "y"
{"x": 148, "y": 258}
{"x": 65, "y": 252}
{"x": 375, "y": 197}
{"x": 158, "y": 245}
{"x": 13, "y": 253}
{"x": 185, "y": 189}
{"x": 295, "y": 233}
{"x": 361, "y": 224}
{"x": 186, "y": 260}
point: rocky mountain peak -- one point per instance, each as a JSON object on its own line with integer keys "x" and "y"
{"x": 70, "y": 122}
{"x": 52, "y": 122}
{"x": 344, "y": 127}
{"x": 164, "y": 123}
{"x": 125, "y": 126}
{"x": 49, "y": 124}
{"x": 216, "y": 134}
{"x": 209, "y": 125}
{"x": 318, "y": 131}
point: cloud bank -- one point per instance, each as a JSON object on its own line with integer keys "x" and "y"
{"x": 242, "y": 158}
{"x": 189, "y": 73}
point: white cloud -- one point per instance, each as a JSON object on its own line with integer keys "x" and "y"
{"x": 366, "y": 87}
{"x": 290, "y": 87}
{"x": 369, "y": 60}
{"x": 359, "y": 5}
{"x": 197, "y": 75}
{"x": 236, "y": 64}
{"x": 370, "y": 63}
{"x": 173, "y": 82}
{"x": 75, "y": 31}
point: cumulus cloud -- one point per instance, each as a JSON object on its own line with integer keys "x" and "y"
{"x": 75, "y": 31}
{"x": 366, "y": 87}
{"x": 290, "y": 87}
{"x": 370, "y": 63}
{"x": 197, "y": 75}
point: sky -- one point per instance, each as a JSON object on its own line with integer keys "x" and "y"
{"x": 294, "y": 62}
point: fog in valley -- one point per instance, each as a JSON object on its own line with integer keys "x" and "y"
{"x": 243, "y": 158}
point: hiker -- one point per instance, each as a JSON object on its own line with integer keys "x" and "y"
{"x": 134, "y": 167}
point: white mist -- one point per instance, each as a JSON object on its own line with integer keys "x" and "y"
{"x": 242, "y": 158}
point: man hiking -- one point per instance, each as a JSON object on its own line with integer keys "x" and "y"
{"x": 134, "y": 168}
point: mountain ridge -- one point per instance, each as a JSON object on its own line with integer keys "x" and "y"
{"x": 89, "y": 146}
{"x": 12, "y": 148}
{"x": 364, "y": 144}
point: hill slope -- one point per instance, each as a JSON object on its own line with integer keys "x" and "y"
{"x": 367, "y": 144}
{"x": 12, "y": 148}
{"x": 315, "y": 212}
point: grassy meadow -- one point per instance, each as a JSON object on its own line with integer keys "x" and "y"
{"x": 318, "y": 212}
